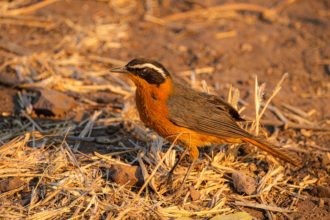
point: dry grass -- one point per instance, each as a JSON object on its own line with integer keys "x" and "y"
{"x": 53, "y": 181}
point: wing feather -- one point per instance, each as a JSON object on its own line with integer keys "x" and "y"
{"x": 206, "y": 114}
{"x": 203, "y": 113}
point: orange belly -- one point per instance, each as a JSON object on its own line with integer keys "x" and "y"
{"x": 154, "y": 113}
{"x": 151, "y": 102}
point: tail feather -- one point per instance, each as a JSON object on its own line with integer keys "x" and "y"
{"x": 276, "y": 151}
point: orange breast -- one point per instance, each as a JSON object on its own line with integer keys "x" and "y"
{"x": 153, "y": 111}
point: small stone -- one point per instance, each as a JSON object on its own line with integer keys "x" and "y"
{"x": 243, "y": 183}
{"x": 194, "y": 194}
{"x": 10, "y": 184}
{"x": 53, "y": 103}
{"x": 129, "y": 175}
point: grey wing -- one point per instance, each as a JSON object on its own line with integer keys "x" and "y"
{"x": 203, "y": 113}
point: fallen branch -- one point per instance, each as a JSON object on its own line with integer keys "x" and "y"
{"x": 13, "y": 48}
{"x": 99, "y": 140}
{"x": 295, "y": 110}
{"x": 30, "y": 8}
{"x": 290, "y": 125}
{"x": 26, "y": 22}
{"x": 226, "y": 7}
{"x": 32, "y": 121}
{"x": 116, "y": 153}
{"x": 262, "y": 206}
{"x": 277, "y": 112}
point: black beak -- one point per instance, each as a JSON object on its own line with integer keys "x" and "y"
{"x": 122, "y": 69}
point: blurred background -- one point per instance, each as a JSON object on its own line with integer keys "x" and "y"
{"x": 227, "y": 41}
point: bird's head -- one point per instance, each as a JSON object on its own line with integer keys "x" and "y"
{"x": 144, "y": 69}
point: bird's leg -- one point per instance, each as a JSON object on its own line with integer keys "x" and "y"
{"x": 177, "y": 191}
{"x": 194, "y": 153}
{"x": 169, "y": 177}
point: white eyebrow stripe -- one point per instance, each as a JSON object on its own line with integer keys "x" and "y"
{"x": 151, "y": 66}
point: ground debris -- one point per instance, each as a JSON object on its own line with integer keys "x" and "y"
{"x": 126, "y": 175}
{"x": 235, "y": 216}
{"x": 194, "y": 194}
{"x": 53, "y": 103}
{"x": 244, "y": 183}
{"x": 10, "y": 184}
{"x": 321, "y": 191}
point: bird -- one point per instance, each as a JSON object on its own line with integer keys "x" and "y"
{"x": 191, "y": 118}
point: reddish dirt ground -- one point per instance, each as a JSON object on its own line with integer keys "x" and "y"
{"x": 297, "y": 42}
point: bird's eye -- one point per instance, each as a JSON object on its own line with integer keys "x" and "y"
{"x": 144, "y": 70}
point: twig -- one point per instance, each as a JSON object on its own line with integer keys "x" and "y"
{"x": 88, "y": 127}
{"x": 205, "y": 87}
{"x": 258, "y": 93}
{"x": 74, "y": 160}
{"x": 193, "y": 79}
{"x": 99, "y": 140}
{"x": 207, "y": 69}
{"x": 116, "y": 153}
{"x": 319, "y": 148}
{"x": 295, "y": 110}
{"x": 225, "y": 34}
{"x": 296, "y": 117}
{"x": 25, "y": 22}
{"x": 292, "y": 125}
{"x": 277, "y": 113}
{"x": 26, "y": 102}
{"x": 262, "y": 206}
{"x": 294, "y": 147}
{"x": 264, "y": 180}
{"x": 216, "y": 9}
{"x": 171, "y": 25}
{"x": 276, "y": 90}
{"x": 30, "y": 8}
{"x": 144, "y": 171}
{"x": 268, "y": 213}
{"x": 32, "y": 121}
{"x": 14, "y": 48}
